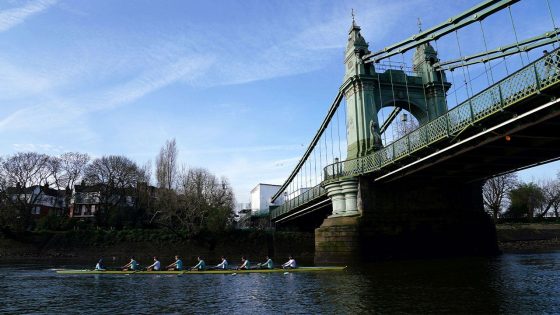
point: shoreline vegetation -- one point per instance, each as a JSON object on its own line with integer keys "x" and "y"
{"x": 116, "y": 246}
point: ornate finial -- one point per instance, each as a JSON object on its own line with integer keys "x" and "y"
{"x": 419, "y": 25}
{"x": 353, "y": 17}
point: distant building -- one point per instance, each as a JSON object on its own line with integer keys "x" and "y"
{"x": 42, "y": 199}
{"x": 261, "y": 198}
{"x": 87, "y": 199}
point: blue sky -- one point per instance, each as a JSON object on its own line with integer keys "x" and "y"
{"x": 241, "y": 85}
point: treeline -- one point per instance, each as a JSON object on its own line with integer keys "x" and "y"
{"x": 508, "y": 198}
{"x": 185, "y": 200}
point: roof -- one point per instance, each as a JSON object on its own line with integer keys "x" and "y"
{"x": 261, "y": 184}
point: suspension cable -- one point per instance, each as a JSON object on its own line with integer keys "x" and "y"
{"x": 326, "y": 150}
{"x": 407, "y": 93}
{"x": 456, "y": 88}
{"x": 332, "y": 143}
{"x": 393, "y": 92}
{"x": 515, "y": 33}
{"x": 441, "y": 79}
{"x": 315, "y": 162}
{"x": 338, "y": 131}
{"x": 462, "y": 66}
{"x": 381, "y": 106}
{"x": 486, "y": 49}
{"x": 553, "y": 23}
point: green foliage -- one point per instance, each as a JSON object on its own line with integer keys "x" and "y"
{"x": 55, "y": 223}
{"x": 525, "y": 199}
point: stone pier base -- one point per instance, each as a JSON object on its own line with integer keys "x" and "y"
{"x": 337, "y": 240}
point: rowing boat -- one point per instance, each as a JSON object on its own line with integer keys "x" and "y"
{"x": 230, "y": 271}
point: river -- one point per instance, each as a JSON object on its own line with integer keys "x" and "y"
{"x": 510, "y": 283}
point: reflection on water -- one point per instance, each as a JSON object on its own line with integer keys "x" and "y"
{"x": 511, "y": 283}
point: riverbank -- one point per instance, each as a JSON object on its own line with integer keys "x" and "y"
{"x": 524, "y": 237}
{"x": 89, "y": 245}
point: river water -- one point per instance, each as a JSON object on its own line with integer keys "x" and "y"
{"x": 510, "y": 283}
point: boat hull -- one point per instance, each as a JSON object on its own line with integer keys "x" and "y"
{"x": 229, "y": 271}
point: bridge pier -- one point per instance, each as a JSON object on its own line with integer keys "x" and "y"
{"x": 344, "y": 196}
{"x": 408, "y": 219}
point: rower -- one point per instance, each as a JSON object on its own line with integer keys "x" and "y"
{"x": 177, "y": 265}
{"x": 290, "y": 264}
{"x": 100, "y": 266}
{"x": 223, "y": 264}
{"x": 132, "y": 265}
{"x": 156, "y": 266}
{"x": 268, "y": 264}
{"x": 201, "y": 264}
{"x": 245, "y": 264}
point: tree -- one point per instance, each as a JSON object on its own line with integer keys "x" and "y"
{"x": 525, "y": 199}
{"x": 20, "y": 173}
{"x": 116, "y": 178}
{"x": 68, "y": 168}
{"x": 495, "y": 192}
{"x": 202, "y": 202}
{"x": 166, "y": 165}
{"x": 551, "y": 196}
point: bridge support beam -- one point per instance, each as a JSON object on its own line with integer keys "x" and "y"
{"x": 426, "y": 218}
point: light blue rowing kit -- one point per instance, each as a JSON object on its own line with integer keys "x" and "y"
{"x": 200, "y": 266}
{"x": 269, "y": 264}
{"x": 179, "y": 264}
{"x": 222, "y": 265}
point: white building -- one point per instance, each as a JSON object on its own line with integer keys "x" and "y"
{"x": 261, "y": 197}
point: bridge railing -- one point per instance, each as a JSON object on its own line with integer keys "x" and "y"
{"x": 310, "y": 194}
{"x": 521, "y": 84}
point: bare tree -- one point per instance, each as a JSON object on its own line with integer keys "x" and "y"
{"x": 145, "y": 172}
{"x": 68, "y": 168}
{"x": 115, "y": 170}
{"x": 116, "y": 177}
{"x": 20, "y": 173}
{"x": 166, "y": 165}
{"x": 495, "y": 192}
{"x": 202, "y": 202}
{"x": 551, "y": 193}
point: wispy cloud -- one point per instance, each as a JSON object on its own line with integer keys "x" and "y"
{"x": 38, "y": 147}
{"x": 14, "y": 16}
{"x": 63, "y": 110}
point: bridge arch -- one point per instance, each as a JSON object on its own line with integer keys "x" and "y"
{"x": 417, "y": 110}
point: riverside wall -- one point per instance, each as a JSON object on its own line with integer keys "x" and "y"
{"x": 118, "y": 246}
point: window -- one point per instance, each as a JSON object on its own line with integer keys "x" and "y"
{"x": 36, "y": 210}
{"x": 92, "y": 209}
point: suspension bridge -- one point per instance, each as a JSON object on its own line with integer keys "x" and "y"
{"x": 400, "y": 157}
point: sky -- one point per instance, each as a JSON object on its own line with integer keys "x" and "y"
{"x": 241, "y": 85}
